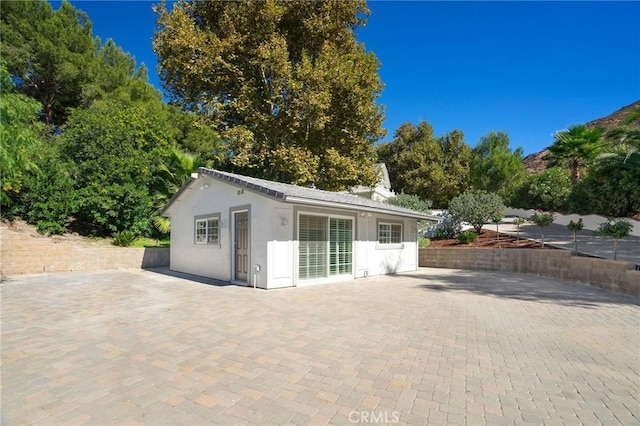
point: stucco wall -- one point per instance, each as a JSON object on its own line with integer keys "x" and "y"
{"x": 273, "y": 240}
{"x": 25, "y": 254}
{"x": 558, "y": 264}
{"x": 207, "y": 196}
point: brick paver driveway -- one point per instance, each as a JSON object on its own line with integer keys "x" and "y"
{"x": 435, "y": 347}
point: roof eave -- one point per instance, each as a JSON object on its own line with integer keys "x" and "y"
{"x": 300, "y": 200}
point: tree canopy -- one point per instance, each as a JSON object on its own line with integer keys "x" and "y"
{"x": 49, "y": 52}
{"x": 494, "y": 167}
{"x": 286, "y": 84}
{"x": 575, "y": 148}
{"x": 419, "y": 163}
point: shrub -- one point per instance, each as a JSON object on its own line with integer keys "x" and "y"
{"x": 542, "y": 220}
{"x": 124, "y": 238}
{"x": 448, "y": 228}
{"x": 423, "y": 242}
{"x": 616, "y": 229}
{"x": 608, "y": 191}
{"x": 476, "y": 207}
{"x": 467, "y": 237}
{"x": 548, "y": 190}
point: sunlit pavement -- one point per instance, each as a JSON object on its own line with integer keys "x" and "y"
{"x": 589, "y": 242}
{"x": 434, "y": 347}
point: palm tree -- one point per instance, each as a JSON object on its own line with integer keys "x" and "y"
{"x": 575, "y": 148}
{"x": 174, "y": 174}
{"x": 626, "y": 147}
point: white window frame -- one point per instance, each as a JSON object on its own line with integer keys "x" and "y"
{"x": 211, "y": 222}
{"x": 387, "y": 240}
{"x": 328, "y": 276}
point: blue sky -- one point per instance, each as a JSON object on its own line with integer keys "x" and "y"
{"x": 527, "y": 68}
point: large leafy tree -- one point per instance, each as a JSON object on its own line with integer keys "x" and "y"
{"x": 434, "y": 168}
{"x": 575, "y": 148}
{"x": 286, "y": 84}
{"x": 494, "y": 167}
{"x": 20, "y": 135}
{"x": 50, "y": 53}
{"x": 118, "y": 149}
{"x": 548, "y": 190}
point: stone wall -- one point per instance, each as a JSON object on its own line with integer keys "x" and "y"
{"x": 23, "y": 253}
{"x": 558, "y": 264}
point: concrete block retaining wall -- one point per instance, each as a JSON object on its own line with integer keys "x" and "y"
{"x": 558, "y": 264}
{"x": 25, "y": 254}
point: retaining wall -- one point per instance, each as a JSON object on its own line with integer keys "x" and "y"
{"x": 558, "y": 264}
{"x": 26, "y": 254}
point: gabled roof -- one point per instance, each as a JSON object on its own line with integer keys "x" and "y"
{"x": 301, "y": 195}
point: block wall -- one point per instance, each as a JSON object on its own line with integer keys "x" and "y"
{"x": 557, "y": 264}
{"x": 21, "y": 253}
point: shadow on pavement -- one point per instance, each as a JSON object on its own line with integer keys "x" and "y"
{"x": 521, "y": 287}
{"x": 190, "y": 277}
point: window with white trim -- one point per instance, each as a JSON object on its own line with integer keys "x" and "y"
{"x": 207, "y": 230}
{"x": 389, "y": 233}
{"x": 325, "y": 246}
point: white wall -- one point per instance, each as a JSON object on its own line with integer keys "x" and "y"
{"x": 280, "y": 247}
{"x": 376, "y": 259}
{"x": 272, "y": 231}
{"x": 215, "y": 261}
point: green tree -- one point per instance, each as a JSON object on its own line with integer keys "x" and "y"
{"x": 48, "y": 199}
{"x": 409, "y": 201}
{"x": 494, "y": 167}
{"x": 616, "y": 229}
{"x": 518, "y": 222}
{"x": 548, "y": 190}
{"x": 286, "y": 85}
{"x": 434, "y": 168}
{"x": 113, "y": 74}
{"x": 476, "y": 207}
{"x": 20, "y": 135}
{"x": 542, "y": 220}
{"x": 497, "y": 218}
{"x": 575, "y": 227}
{"x": 611, "y": 189}
{"x": 575, "y": 149}
{"x": 174, "y": 173}
{"x": 118, "y": 150}
{"x": 49, "y": 52}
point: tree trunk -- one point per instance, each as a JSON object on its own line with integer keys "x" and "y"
{"x": 615, "y": 249}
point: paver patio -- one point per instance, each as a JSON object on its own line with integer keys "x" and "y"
{"x": 434, "y": 347}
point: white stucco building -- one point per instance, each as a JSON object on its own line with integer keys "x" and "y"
{"x": 266, "y": 234}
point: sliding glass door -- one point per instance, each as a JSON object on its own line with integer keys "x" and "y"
{"x": 325, "y": 246}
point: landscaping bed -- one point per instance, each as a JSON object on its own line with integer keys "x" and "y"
{"x": 488, "y": 239}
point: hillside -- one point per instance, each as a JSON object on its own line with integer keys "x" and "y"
{"x": 535, "y": 163}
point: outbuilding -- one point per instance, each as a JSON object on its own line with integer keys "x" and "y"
{"x": 267, "y": 234}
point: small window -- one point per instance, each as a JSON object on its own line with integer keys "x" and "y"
{"x": 207, "y": 231}
{"x": 389, "y": 233}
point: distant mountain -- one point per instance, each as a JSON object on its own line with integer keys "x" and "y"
{"x": 535, "y": 163}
